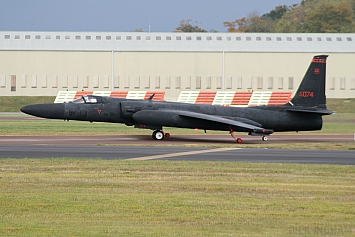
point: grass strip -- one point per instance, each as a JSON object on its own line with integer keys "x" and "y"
{"x": 80, "y": 197}
{"x": 14, "y": 103}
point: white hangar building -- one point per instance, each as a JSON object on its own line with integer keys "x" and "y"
{"x": 43, "y": 63}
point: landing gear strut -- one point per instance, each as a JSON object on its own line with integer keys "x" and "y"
{"x": 238, "y": 140}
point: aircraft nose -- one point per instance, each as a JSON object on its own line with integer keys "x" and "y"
{"x": 52, "y": 111}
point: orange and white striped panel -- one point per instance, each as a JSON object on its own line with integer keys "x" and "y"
{"x": 223, "y": 98}
{"x": 82, "y": 93}
{"x": 205, "y": 97}
{"x": 188, "y": 97}
{"x": 138, "y": 95}
{"x": 260, "y": 98}
{"x": 279, "y": 98}
{"x": 102, "y": 93}
{"x": 67, "y": 96}
{"x": 118, "y": 94}
{"x": 144, "y": 95}
{"x": 158, "y": 95}
{"x": 241, "y": 99}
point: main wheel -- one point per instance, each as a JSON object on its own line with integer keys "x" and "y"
{"x": 264, "y": 138}
{"x": 158, "y": 135}
{"x": 239, "y": 140}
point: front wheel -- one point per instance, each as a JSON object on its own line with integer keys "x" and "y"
{"x": 264, "y": 139}
{"x": 158, "y": 135}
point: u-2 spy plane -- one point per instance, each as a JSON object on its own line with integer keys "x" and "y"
{"x": 303, "y": 113}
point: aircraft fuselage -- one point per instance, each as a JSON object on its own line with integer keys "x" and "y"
{"x": 303, "y": 113}
{"x": 125, "y": 111}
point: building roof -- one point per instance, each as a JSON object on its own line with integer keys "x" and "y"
{"x": 177, "y": 42}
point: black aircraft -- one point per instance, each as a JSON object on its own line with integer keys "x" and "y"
{"x": 303, "y": 113}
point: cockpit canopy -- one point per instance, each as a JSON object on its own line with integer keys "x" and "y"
{"x": 88, "y": 99}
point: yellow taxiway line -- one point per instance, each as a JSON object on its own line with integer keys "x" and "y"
{"x": 182, "y": 154}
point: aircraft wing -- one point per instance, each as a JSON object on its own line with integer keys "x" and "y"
{"x": 214, "y": 118}
{"x": 152, "y": 116}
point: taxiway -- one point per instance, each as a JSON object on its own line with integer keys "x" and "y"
{"x": 134, "y": 147}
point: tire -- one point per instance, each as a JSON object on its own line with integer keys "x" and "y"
{"x": 158, "y": 135}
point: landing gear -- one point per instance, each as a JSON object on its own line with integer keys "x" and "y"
{"x": 238, "y": 140}
{"x": 158, "y": 135}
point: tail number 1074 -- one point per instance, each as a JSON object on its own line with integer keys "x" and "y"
{"x": 306, "y": 94}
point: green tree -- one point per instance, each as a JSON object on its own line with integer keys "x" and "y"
{"x": 310, "y": 16}
{"x": 256, "y": 23}
{"x": 277, "y": 13}
{"x": 292, "y": 21}
{"x": 329, "y": 17}
{"x": 186, "y": 26}
{"x": 319, "y": 16}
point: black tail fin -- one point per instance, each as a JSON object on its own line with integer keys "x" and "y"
{"x": 311, "y": 92}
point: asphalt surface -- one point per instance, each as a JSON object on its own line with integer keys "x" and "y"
{"x": 199, "y": 139}
{"x": 177, "y": 147}
{"x": 135, "y": 149}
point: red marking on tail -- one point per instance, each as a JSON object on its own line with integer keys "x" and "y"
{"x": 319, "y": 60}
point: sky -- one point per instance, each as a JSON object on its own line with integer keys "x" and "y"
{"x": 126, "y": 15}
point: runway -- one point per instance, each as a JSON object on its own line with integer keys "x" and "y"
{"x": 200, "y": 139}
{"x": 134, "y": 148}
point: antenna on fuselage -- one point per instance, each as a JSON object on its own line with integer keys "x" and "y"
{"x": 151, "y": 97}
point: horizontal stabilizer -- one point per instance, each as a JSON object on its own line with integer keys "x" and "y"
{"x": 311, "y": 111}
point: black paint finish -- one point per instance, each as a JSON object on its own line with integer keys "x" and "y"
{"x": 303, "y": 113}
